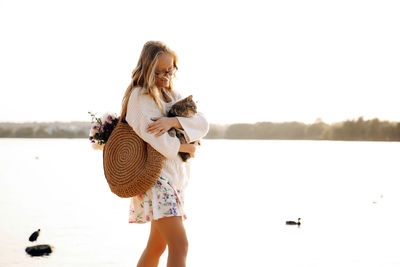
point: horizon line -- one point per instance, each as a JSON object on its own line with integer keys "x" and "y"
{"x": 285, "y": 121}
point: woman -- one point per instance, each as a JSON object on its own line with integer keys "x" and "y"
{"x": 145, "y": 104}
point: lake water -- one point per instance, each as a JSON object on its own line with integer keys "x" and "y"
{"x": 240, "y": 194}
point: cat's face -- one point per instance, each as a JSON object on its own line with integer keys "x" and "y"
{"x": 185, "y": 107}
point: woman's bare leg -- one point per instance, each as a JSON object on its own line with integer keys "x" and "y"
{"x": 174, "y": 234}
{"x": 154, "y": 249}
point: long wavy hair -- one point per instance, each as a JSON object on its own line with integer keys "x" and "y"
{"x": 144, "y": 74}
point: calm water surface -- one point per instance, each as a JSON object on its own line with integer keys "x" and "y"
{"x": 238, "y": 199}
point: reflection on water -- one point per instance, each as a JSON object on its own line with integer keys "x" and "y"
{"x": 240, "y": 195}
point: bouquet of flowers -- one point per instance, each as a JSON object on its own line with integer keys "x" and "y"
{"x": 101, "y": 129}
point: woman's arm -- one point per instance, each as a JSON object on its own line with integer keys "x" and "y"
{"x": 162, "y": 125}
{"x": 195, "y": 127}
{"x": 189, "y": 148}
{"x": 141, "y": 108}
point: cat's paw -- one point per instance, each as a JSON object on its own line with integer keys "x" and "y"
{"x": 184, "y": 156}
{"x": 172, "y": 132}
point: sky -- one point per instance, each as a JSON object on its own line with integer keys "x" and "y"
{"x": 243, "y": 61}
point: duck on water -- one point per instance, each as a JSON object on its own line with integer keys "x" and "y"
{"x": 293, "y": 222}
{"x": 34, "y": 235}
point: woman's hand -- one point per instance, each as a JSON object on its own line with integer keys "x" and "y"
{"x": 162, "y": 125}
{"x": 189, "y": 148}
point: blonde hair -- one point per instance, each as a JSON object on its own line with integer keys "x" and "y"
{"x": 144, "y": 74}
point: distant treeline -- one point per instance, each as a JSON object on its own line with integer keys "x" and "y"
{"x": 45, "y": 130}
{"x": 349, "y": 130}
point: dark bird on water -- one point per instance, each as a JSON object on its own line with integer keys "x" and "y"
{"x": 34, "y": 235}
{"x": 293, "y": 222}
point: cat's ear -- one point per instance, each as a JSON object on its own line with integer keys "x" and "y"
{"x": 190, "y": 97}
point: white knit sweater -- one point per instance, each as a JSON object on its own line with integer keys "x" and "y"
{"x": 141, "y": 108}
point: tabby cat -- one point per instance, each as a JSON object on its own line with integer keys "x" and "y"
{"x": 183, "y": 108}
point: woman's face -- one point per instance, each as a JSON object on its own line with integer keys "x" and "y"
{"x": 165, "y": 64}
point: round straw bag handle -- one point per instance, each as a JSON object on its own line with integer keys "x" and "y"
{"x": 131, "y": 166}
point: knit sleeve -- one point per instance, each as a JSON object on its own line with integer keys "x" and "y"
{"x": 195, "y": 127}
{"x": 141, "y": 108}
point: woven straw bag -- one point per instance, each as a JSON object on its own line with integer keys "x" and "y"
{"x": 131, "y": 166}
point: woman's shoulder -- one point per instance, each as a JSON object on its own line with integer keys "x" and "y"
{"x": 137, "y": 92}
{"x": 142, "y": 103}
{"x": 139, "y": 100}
{"x": 138, "y": 95}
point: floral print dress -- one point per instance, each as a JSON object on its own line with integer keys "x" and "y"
{"x": 160, "y": 201}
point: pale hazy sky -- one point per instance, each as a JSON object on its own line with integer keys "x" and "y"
{"x": 244, "y": 61}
